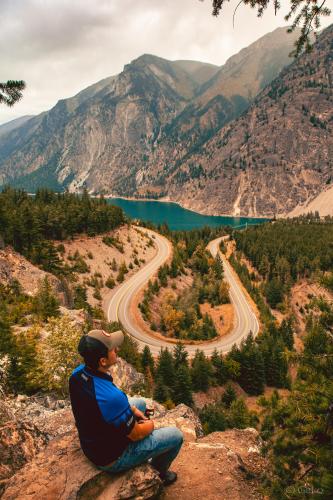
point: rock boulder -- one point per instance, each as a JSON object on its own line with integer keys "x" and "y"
{"x": 19, "y": 443}
{"x": 61, "y": 470}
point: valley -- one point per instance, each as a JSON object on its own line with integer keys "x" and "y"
{"x": 274, "y": 277}
{"x": 189, "y": 205}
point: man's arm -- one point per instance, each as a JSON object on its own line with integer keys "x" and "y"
{"x": 141, "y": 430}
{"x": 138, "y": 413}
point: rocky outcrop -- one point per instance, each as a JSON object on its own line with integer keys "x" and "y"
{"x": 19, "y": 443}
{"x": 61, "y": 470}
{"x": 13, "y": 266}
{"x": 221, "y": 465}
{"x": 182, "y": 417}
{"x": 6, "y": 414}
{"x": 52, "y": 416}
{"x": 322, "y": 203}
{"x": 224, "y": 465}
{"x": 49, "y": 415}
{"x": 126, "y": 377}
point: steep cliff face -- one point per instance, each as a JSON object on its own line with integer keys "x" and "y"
{"x": 274, "y": 157}
{"x": 110, "y": 136}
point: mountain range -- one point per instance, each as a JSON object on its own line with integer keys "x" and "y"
{"x": 251, "y": 137}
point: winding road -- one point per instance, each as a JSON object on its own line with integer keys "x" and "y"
{"x": 118, "y": 307}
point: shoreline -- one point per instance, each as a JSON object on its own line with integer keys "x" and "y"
{"x": 166, "y": 200}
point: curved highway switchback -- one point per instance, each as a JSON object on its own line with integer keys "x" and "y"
{"x": 118, "y": 308}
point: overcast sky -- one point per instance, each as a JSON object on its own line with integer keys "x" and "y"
{"x": 59, "y": 47}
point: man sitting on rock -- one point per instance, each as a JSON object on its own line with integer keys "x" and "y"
{"x": 114, "y": 432}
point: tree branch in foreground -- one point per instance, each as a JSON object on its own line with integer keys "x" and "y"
{"x": 11, "y": 91}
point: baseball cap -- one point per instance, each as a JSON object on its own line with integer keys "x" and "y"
{"x": 100, "y": 340}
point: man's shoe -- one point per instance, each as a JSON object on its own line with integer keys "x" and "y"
{"x": 168, "y": 478}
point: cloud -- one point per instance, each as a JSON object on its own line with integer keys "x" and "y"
{"x": 60, "y": 47}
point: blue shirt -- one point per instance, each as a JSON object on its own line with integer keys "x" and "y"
{"x": 102, "y": 415}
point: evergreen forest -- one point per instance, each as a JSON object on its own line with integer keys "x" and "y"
{"x": 289, "y": 372}
{"x": 30, "y": 223}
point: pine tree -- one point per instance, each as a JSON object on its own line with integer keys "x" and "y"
{"x": 165, "y": 369}
{"x": 218, "y": 267}
{"x": 149, "y": 383}
{"x": 239, "y": 416}
{"x": 287, "y": 333}
{"x": 183, "y": 386}
{"x": 11, "y": 91}
{"x": 173, "y": 269}
{"x": 252, "y": 376}
{"x": 274, "y": 292}
{"x": 7, "y": 342}
{"x": 161, "y": 391}
{"x": 201, "y": 372}
{"x": 80, "y": 297}
{"x": 213, "y": 418}
{"x": 233, "y": 362}
{"x": 147, "y": 360}
{"x": 180, "y": 355}
{"x": 228, "y": 396}
{"x": 24, "y": 370}
{"x": 275, "y": 362}
{"x": 129, "y": 351}
{"x": 45, "y": 255}
{"x": 220, "y": 373}
{"x": 300, "y": 14}
{"x": 45, "y": 303}
{"x": 264, "y": 267}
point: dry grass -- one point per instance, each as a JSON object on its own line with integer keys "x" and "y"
{"x": 301, "y": 294}
{"x": 222, "y": 316}
{"x": 102, "y": 255}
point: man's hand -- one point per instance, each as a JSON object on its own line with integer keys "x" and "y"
{"x": 139, "y": 414}
{"x": 142, "y": 427}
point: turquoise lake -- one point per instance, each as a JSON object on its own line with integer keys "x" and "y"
{"x": 175, "y": 216}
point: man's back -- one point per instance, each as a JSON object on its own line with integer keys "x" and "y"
{"x": 102, "y": 414}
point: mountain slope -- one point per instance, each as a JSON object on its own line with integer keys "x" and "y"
{"x": 277, "y": 155}
{"x": 7, "y": 127}
{"x": 322, "y": 203}
{"x": 228, "y": 93}
{"x": 130, "y": 133}
{"x": 103, "y": 132}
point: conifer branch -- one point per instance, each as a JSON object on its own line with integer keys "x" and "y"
{"x": 11, "y": 91}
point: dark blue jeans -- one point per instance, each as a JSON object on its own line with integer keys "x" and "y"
{"x": 161, "y": 446}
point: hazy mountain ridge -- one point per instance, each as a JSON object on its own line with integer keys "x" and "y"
{"x": 7, "y": 127}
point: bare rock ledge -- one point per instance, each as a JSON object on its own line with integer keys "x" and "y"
{"x": 61, "y": 471}
{"x": 44, "y": 461}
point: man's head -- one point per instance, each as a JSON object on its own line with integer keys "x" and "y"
{"x": 99, "y": 348}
